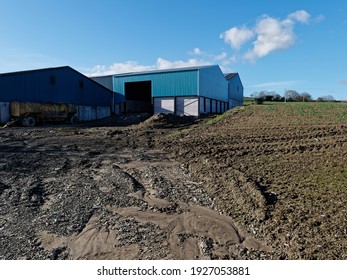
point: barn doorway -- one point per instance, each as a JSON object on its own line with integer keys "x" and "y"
{"x": 138, "y": 97}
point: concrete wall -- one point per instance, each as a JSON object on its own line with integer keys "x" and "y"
{"x": 165, "y": 105}
{"x": 89, "y": 113}
{"x": 188, "y": 106}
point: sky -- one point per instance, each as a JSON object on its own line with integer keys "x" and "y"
{"x": 274, "y": 45}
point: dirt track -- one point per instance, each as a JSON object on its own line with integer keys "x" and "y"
{"x": 164, "y": 190}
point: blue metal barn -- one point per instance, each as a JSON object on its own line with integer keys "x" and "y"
{"x": 235, "y": 90}
{"x": 55, "y": 85}
{"x": 186, "y": 91}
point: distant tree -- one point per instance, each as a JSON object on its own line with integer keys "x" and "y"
{"x": 291, "y": 95}
{"x": 326, "y": 98}
{"x": 269, "y": 95}
{"x": 277, "y": 97}
{"x": 265, "y": 95}
{"x": 262, "y": 94}
{"x": 305, "y": 96}
{"x": 259, "y": 97}
{"x": 254, "y": 94}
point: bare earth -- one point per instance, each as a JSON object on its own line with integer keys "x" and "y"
{"x": 174, "y": 188}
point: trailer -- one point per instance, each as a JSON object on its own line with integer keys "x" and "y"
{"x": 29, "y": 114}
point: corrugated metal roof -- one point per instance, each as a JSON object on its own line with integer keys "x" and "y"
{"x": 165, "y": 70}
{"x": 102, "y": 76}
{"x": 230, "y": 76}
{"x": 33, "y": 70}
{"x": 57, "y": 85}
{"x": 50, "y": 69}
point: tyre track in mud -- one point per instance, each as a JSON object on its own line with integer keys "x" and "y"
{"x": 273, "y": 179}
{"x": 106, "y": 193}
{"x": 148, "y": 191}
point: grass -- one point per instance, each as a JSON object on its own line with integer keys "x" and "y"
{"x": 216, "y": 119}
{"x": 248, "y": 101}
{"x": 334, "y": 177}
{"x": 308, "y": 112}
{"x": 224, "y": 115}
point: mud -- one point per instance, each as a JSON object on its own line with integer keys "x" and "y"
{"x": 283, "y": 178}
{"x": 107, "y": 193}
{"x": 174, "y": 188}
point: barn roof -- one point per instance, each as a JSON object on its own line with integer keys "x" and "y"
{"x": 167, "y": 70}
{"x": 230, "y": 76}
{"x": 50, "y": 69}
{"x": 33, "y": 70}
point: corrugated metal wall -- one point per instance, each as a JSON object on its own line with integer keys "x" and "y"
{"x": 213, "y": 84}
{"x": 236, "y": 90}
{"x": 208, "y": 82}
{"x": 4, "y": 112}
{"x": 106, "y": 81}
{"x": 53, "y": 85}
{"x": 164, "y": 84}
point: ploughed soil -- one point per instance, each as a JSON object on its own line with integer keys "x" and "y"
{"x": 249, "y": 184}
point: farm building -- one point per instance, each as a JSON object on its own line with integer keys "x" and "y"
{"x": 235, "y": 90}
{"x": 118, "y": 99}
{"x": 55, "y": 85}
{"x": 189, "y": 91}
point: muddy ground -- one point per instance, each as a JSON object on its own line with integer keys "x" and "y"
{"x": 174, "y": 188}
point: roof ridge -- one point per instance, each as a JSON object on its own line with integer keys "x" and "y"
{"x": 166, "y": 70}
{"x": 33, "y": 70}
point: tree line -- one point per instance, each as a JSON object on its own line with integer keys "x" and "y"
{"x": 289, "y": 95}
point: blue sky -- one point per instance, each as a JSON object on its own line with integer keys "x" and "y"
{"x": 273, "y": 45}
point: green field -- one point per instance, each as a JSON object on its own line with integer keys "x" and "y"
{"x": 294, "y": 113}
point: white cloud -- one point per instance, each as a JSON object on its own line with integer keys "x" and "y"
{"x": 116, "y": 68}
{"x": 198, "y": 57}
{"x": 224, "y": 61}
{"x": 271, "y": 34}
{"x": 167, "y": 64}
{"x": 300, "y": 16}
{"x": 236, "y": 37}
{"x": 197, "y": 51}
{"x": 220, "y": 57}
{"x": 134, "y": 66}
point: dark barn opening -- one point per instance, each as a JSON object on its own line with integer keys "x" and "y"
{"x": 138, "y": 97}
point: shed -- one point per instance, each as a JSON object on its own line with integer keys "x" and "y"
{"x": 55, "y": 85}
{"x": 184, "y": 91}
